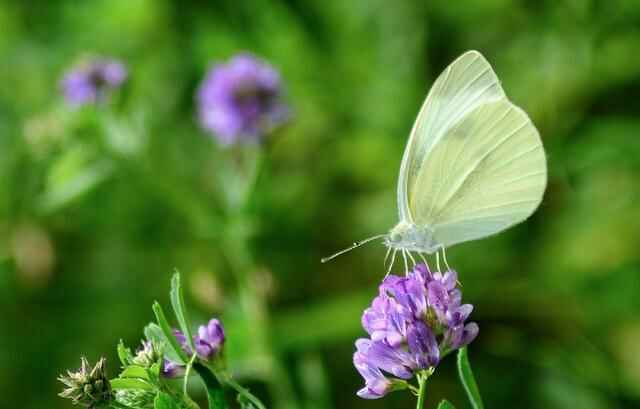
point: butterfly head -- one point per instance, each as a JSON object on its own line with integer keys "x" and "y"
{"x": 408, "y": 236}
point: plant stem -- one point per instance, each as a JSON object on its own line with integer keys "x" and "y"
{"x": 244, "y": 392}
{"x": 422, "y": 390}
{"x": 187, "y": 373}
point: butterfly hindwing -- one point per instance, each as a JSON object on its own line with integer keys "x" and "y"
{"x": 474, "y": 164}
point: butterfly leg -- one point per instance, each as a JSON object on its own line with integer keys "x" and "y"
{"x": 393, "y": 259}
{"x": 444, "y": 257}
{"x": 426, "y": 263}
{"x": 413, "y": 260}
{"x": 438, "y": 260}
{"x": 406, "y": 265}
{"x": 386, "y": 257}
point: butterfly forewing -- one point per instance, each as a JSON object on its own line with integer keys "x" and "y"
{"x": 467, "y": 83}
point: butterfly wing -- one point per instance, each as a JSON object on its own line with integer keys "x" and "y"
{"x": 467, "y": 83}
{"x": 479, "y": 168}
{"x": 486, "y": 174}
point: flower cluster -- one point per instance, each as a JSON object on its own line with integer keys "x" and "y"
{"x": 241, "y": 100}
{"x": 412, "y": 323}
{"x": 208, "y": 342}
{"x": 88, "y": 386}
{"x": 89, "y": 83}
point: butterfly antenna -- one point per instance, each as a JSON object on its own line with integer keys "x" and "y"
{"x": 353, "y": 246}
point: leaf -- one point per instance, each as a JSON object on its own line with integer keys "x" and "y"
{"x": 165, "y": 401}
{"x": 155, "y": 334}
{"x": 179, "y": 308}
{"x": 134, "y": 371}
{"x": 130, "y": 383}
{"x": 168, "y": 333}
{"x": 467, "y": 379}
{"x": 445, "y": 404}
{"x": 124, "y": 354}
{"x": 215, "y": 393}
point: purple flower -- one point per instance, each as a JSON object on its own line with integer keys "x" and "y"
{"x": 413, "y": 322}
{"x": 90, "y": 82}
{"x": 172, "y": 369}
{"x": 376, "y": 384}
{"x": 241, "y": 100}
{"x": 209, "y": 340}
{"x": 182, "y": 340}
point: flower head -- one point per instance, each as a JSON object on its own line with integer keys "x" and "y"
{"x": 147, "y": 355}
{"x": 209, "y": 340}
{"x": 88, "y": 386}
{"x": 413, "y": 322}
{"x": 90, "y": 82}
{"x": 241, "y": 100}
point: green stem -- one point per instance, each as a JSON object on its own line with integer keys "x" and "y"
{"x": 187, "y": 372}
{"x": 422, "y": 390}
{"x": 243, "y": 392}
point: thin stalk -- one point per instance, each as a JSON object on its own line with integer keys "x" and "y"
{"x": 187, "y": 373}
{"x": 422, "y": 391}
{"x": 244, "y": 392}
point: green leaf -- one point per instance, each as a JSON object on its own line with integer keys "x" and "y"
{"x": 155, "y": 334}
{"x": 130, "y": 383}
{"x": 445, "y": 404}
{"x": 168, "y": 333}
{"x": 165, "y": 401}
{"x": 467, "y": 379}
{"x": 124, "y": 354}
{"x": 215, "y": 393}
{"x": 180, "y": 309}
{"x": 135, "y": 371}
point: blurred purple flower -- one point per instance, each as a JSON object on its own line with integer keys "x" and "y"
{"x": 172, "y": 369}
{"x": 90, "y": 82}
{"x": 241, "y": 100}
{"x": 413, "y": 322}
{"x": 182, "y": 340}
{"x": 209, "y": 340}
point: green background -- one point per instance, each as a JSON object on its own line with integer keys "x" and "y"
{"x": 99, "y": 205}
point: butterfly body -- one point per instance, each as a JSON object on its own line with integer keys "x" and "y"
{"x": 411, "y": 237}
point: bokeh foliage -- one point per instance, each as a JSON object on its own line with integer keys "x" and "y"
{"x": 97, "y": 206}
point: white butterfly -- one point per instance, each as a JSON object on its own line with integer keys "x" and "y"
{"x": 474, "y": 164}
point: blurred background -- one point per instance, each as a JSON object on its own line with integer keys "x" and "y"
{"x": 99, "y": 204}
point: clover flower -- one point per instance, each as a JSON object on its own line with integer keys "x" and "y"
{"x": 88, "y": 386}
{"x": 90, "y": 82}
{"x": 209, "y": 340}
{"x": 241, "y": 100}
{"x": 412, "y": 323}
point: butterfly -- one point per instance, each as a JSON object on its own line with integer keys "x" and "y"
{"x": 474, "y": 165}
